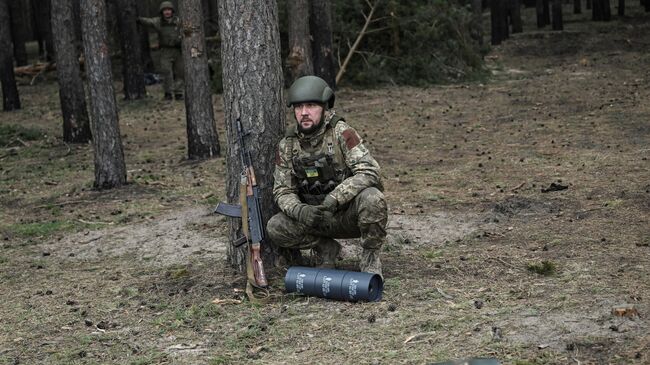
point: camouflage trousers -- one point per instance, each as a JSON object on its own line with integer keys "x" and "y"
{"x": 171, "y": 65}
{"x": 365, "y": 216}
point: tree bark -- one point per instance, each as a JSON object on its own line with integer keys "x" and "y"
{"x": 505, "y": 27}
{"x": 41, "y": 11}
{"x": 10, "y": 97}
{"x": 577, "y": 7}
{"x": 18, "y": 33}
{"x": 601, "y": 10}
{"x": 145, "y": 45}
{"x": 76, "y": 124}
{"x": 557, "y": 15}
{"x": 211, "y": 18}
{"x": 621, "y": 7}
{"x": 495, "y": 29}
{"x": 547, "y": 12}
{"x": 110, "y": 170}
{"x": 320, "y": 25}
{"x": 477, "y": 21}
{"x": 499, "y": 21}
{"x": 202, "y": 139}
{"x": 607, "y": 10}
{"x": 539, "y": 12}
{"x": 596, "y": 11}
{"x": 299, "y": 60}
{"x": 515, "y": 16}
{"x": 132, "y": 70}
{"x": 252, "y": 91}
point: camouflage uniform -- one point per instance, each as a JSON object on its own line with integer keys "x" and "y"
{"x": 334, "y": 161}
{"x": 171, "y": 58}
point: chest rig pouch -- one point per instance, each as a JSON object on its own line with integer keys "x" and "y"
{"x": 320, "y": 172}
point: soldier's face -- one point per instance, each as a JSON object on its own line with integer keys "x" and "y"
{"x": 308, "y": 116}
{"x": 167, "y": 12}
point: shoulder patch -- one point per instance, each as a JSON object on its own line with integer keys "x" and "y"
{"x": 351, "y": 138}
{"x": 278, "y": 159}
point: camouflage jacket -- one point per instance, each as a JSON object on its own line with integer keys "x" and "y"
{"x": 334, "y": 153}
{"x": 169, "y": 32}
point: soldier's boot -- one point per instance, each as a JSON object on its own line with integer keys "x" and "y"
{"x": 327, "y": 250}
{"x": 370, "y": 261}
{"x": 168, "y": 96}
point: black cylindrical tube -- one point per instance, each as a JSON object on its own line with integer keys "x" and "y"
{"x": 334, "y": 284}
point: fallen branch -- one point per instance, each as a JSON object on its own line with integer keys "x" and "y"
{"x": 356, "y": 43}
{"x": 42, "y": 71}
{"x": 34, "y": 70}
{"x": 64, "y": 203}
{"x": 418, "y": 336}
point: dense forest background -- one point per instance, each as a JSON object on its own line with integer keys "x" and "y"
{"x": 412, "y": 42}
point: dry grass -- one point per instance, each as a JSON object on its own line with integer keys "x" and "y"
{"x": 128, "y": 276}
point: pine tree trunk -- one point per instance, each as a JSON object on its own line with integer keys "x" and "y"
{"x": 211, "y": 17}
{"x": 145, "y": 45}
{"x": 76, "y": 124}
{"x": 18, "y": 31}
{"x": 601, "y": 10}
{"x": 320, "y": 25}
{"x": 539, "y": 11}
{"x": 607, "y": 10}
{"x": 132, "y": 70}
{"x": 394, "y": 25}
{"x": 499, "y": 21}
{"x": 515, "y": 14}
{"x": 621, "y": 7}
{"x": 547, "y": 12}
{"x": 477, "y": 21}
{"x": 557, "y": 15}
{"x": 42, "y": 12}
{"x": 252, "y": 84}
{"x": 299, "y": 60}
{"x": 495, "y": 24}
{"x": 503, "y": 11}
{"x": 10, "y": 98}
{"x": 202, "y": 140}
{"x": 110, "y": 170}
{"x": 596, "y": 11}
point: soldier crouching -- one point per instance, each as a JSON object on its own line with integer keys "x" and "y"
{"x": 327, "y": 185}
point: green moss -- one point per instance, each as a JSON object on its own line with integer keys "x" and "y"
{"x": 10, "y": 133}
{"x": 544, "y": 268}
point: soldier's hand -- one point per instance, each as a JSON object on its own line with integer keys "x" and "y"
{"x": 329, "y": 204}
{"x": 325, "y": 224}
{"x": 309, "y": 215}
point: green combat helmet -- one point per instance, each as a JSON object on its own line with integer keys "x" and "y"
{"x": 166, "y": 5}
{"x": 310, "y": 89}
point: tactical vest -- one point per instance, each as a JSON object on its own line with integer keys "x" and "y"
{"x": 321, "y": 171}
{"x": 170, "y": 33}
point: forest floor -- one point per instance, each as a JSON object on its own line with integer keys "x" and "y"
{"x": 519, "y": 221}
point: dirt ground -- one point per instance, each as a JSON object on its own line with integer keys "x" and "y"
{"x": 519, "y": 222}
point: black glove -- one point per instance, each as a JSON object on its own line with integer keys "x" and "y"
{"x": 309, "y": 215}
{"x": 329, "y": 204}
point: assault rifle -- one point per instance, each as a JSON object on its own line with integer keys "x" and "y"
{"x": 250, "y": 213}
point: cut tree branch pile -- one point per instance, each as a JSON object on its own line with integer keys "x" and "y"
{"x": 34, "y": 69}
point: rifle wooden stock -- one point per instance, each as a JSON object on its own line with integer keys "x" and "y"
{"x": 254, "y": 265}
{"x": 250, "y": 212}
